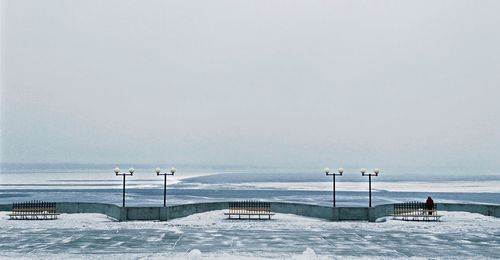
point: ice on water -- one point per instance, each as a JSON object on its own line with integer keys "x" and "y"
{"x": 144, "y": 188}
{"x": 211, "y": 235}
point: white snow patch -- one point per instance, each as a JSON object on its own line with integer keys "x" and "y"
{"x": 452, "y": 223}
{"x": 215, "y": 220}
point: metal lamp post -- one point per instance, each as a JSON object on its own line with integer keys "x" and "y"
{"x": 130, "y": 172}
{"x": 375, "y": 173}
{"x": 158, "y": 173}
{"x": 327, "y": 172}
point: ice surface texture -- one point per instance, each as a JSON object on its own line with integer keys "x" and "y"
{"x": 208, "y": 235}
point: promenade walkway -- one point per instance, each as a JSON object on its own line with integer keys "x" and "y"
{"x": 94, "y": 235}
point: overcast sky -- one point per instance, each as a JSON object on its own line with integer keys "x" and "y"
{"x": 269, "y": 83}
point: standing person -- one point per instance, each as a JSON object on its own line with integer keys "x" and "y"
{"x": 430, "y": 204}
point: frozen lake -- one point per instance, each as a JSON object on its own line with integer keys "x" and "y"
{"x": 88, "y": 183}
{"x": 209, "y": 234}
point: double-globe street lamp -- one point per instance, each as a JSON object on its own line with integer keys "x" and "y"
{"x": 376, "y": 171}
{"x": 130, "y": 173}
{"x": 327, "y": 172}
{"x": 158, "y": 173}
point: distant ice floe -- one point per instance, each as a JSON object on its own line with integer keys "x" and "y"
{"x": 92, "y": 180}
{"x": 144, "y": 179}
{"x": 443, "y": 186}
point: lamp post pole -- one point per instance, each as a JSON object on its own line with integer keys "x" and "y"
{"x": 158, "y": 173}
{"x": 375, "y": 173}
{"x": 130, "y": 173}
{"x": 327, "y": 172}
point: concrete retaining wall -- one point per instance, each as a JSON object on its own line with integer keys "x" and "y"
{"x": 171, "y": 212}
{"x": 5, "y": 207}
{"x": 323, "y": 212}
{"x": 487, "y": 210}
{"x": 110, "y": 210}
{"x": 303, "y": 210}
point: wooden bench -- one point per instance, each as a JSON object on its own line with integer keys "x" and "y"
{"x": 34, "y": 210}
{"x": 250, "y": 209}
{"x": 415, "y": 211}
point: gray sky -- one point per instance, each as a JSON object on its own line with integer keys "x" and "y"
{"x": 272, "y": 83}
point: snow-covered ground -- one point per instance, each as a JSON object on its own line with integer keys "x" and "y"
{"x": 211, "y": 235}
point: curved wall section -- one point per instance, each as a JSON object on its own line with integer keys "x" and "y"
{"x": 111, "y": 210}
{"x": 315, "y": 211}
{"x": 170, "y": 212}
{"x": 487, "y": 210}
{"x": 303, "y": 210}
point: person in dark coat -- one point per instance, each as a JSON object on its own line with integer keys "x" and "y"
{"x": 430, "y": 204}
